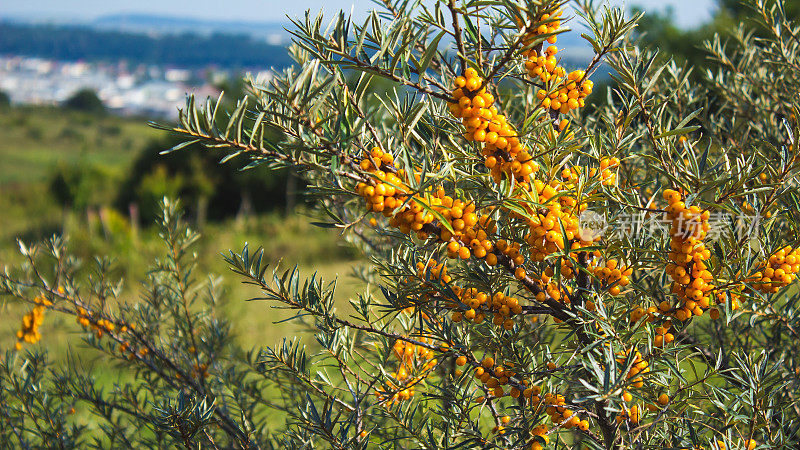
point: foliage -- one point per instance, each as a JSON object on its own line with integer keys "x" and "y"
{"x": 46, "y": 398}
{"x": 547, "y": 277}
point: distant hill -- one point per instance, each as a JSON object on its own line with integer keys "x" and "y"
{"x": 185, "y": 42}
{"x": 184, "y": 49}
{"x": 272, "y": 32}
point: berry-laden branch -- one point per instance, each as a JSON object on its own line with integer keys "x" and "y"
{"x": 505, "y": 156}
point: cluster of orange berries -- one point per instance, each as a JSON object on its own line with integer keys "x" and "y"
{"x": 495, "y": 376}
{"x": 416, "y": 362}
{"x": 462, "y": 219}
{"x": 511, "y": 250}
{"x": 102, "y": 326}
{"x": 688, "y": 269}
{"x": 749, "y": 444}
{"x": 503, "y": 152}
{"x": 473, "y": 105}
{"x": 390, "y": 190}
{"x": 571, "y": 174}
{"x": 638, "y": 313}
{"x": 29, "y": 331}
{"x": 663, "y": 335}
{"x": 437, "y": 271}
{"x": 632, "y": 414}
{"x": 613, "y": 275}
{"x": 662, "y": 332}
{"x": 544, "y": 66}
{"x": 556, "y": 291}
{"x": 410, "y": 355}
{"x": 470, "y": 235}
{"x": 545, "y": 235}
{"x": 570, "y": 94}
{"x": 539, "y": 433}
{"x": 722, "y": 298}
{"x": 469, "y": 229}
{"x": 777, "y": 272}
{"x": 607, "y": 177}
{"x": 99, "y": 326}
{"x": 514, "y": 162}
{"x": 470, "y": 232}
{"x": 503, "y": 306}
{"x": 640, "y": 366}
{"x": 573, "y": 88}
{"x": 552, "y": 23}
{"x": 473, "y": 305}
{"x": 560, "y": 414}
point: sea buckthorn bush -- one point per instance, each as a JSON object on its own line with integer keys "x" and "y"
{"x": 545, "y": 271}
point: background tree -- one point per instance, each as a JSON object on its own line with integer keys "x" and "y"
{"x": 659, "y": 31}
{"x": 85, "y": 100}
{"x": 200, "y": 181}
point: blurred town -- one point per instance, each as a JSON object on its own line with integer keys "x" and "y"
{"x": 142, "y": 90}
{"x": 133, "y": 63}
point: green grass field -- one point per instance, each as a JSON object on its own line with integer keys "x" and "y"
{"x": 36, "y": 140}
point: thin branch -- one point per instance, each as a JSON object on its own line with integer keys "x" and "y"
{"x": 451, "y": 5}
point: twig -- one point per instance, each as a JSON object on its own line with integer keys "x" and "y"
{"x": 451, "y": 5}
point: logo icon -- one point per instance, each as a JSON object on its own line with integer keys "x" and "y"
{"x": 591, "y": 225}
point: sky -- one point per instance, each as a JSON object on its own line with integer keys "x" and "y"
{"x": 688, "y": 13}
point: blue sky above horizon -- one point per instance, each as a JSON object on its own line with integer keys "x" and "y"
{"x": 688, "y": 13}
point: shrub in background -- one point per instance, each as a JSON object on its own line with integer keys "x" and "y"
{"x": 84, "y": 185}
{"x": 205, "y": 186}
